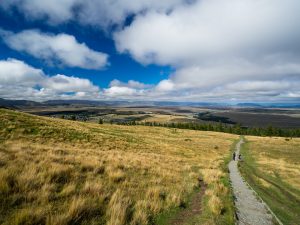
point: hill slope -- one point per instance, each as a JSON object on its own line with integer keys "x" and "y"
{"x": 56, "y": 171}
{"x": 272, "y": 168}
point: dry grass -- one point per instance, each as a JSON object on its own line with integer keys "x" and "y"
{"x": 160, "y": 118}
{"x": 216, "y": 190}
{"x": 55, "y": 171}
{"x": 278, "y": 156}
{"x": 272, "y": 167}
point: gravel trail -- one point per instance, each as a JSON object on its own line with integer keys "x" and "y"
{"x": 250, "y": 211}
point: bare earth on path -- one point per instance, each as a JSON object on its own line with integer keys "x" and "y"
{"x": 193, "y": 209}
{"x": 250, "y": 211}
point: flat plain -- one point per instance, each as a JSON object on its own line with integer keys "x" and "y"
{"x": 248, "y": 117}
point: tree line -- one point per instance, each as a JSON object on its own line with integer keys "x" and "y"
{"x": 221, "y": 127}
{"x": 217, "y": 127}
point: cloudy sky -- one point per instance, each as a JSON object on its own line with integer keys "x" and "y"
{"x": 175, "y": 50}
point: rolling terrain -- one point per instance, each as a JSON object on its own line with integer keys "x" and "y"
{"x": 55, "y": 171}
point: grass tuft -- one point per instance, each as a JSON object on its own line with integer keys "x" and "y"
{"x": 119, "y": 209}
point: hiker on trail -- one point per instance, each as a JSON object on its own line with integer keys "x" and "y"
{"x": 233, "y": 156}
{"x": 240, "y": 156}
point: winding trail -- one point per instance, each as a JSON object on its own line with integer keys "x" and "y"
{"x": 250, "y": 211}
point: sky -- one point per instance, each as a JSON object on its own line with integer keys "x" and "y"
{"x": 150, "y": 50}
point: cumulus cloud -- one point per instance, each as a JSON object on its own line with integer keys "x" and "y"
{"x": 65, "y": 83}
{"x": 127, "y": 90}
{"x": 101, "y": 13}
{"x": 105, "y": 13}
{"x": 13, "y": 71}
{"x": 120, "y": 92}
{"x": 130, "y": 84}
{"x": 60, "y": 49}
{"x": 55, "y": 11}
{"x": 214, "y": 43}
{"x": 19, "y": 80}
{"x": 218, "y": 74}
{"x": 165, "y": 86}
{"x": 210, "y": 29}
{"x": 219, "y": 50}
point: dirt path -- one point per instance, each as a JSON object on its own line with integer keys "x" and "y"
{"x": 250, "y": 211}
{"x": 193, "y": 209}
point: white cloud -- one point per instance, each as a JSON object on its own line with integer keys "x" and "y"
{"x": 80, "y": 94}
{"x": 219, "y": 50}
{"x": 101, "y": 13}
{"x": 215, "y": 43}
{"x": 120, "y": 92}
{"x": 295, "y": 94}
{"x": 13, "y": 71}
{"x": 165, "y": 86}
{"x": 104, "y": 13}
{"x": 256, "y": 86}
{"x": 19, "y": 80}
{"x": 54, "y": 11}
{"x": 217, "y": 74}
{"x": 211, "y": 29}
{"x": 62, "y": 48}
{"x": 65, "y": 83}
{"x": 129, "y": 90}
{"x": 130, "y": 84}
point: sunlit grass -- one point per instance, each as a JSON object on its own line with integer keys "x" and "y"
{"x": 160, "y": 118}
{"x": 272, "y": 167}
{"x": 55, "y": 171}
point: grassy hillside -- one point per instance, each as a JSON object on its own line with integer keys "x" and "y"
{"x": 55, "y": 171}
{"x": 272, "y": 167}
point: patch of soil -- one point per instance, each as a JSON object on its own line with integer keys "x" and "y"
{"x": 193, "y": 209}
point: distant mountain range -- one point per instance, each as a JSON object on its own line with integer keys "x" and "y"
{"x": 17, "y": 103}
{"x": 25, "y": 103}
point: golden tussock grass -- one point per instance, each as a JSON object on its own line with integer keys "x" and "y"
{"x": 62, "y": 172}
{"x": 163, "y": 118}
{"x": 278, "y": 155}
{"x": 118, "y": 208}
{"x": 215, "y": 204}
{"x": 272, "y": 166}
{"x": 141, "y": 213}
{"x": 215, "y": 190}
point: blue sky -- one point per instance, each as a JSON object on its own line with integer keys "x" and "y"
{"x": 176, "y": 50}
{"x": 121, "y": 66}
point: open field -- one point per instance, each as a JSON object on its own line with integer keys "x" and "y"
{"x": 249, "y": 117}
{"x": 55, "y": 171}
{"x": 168, "y": 118}
{"x": 282, "y": 119}
{"x": 272, "y": 168}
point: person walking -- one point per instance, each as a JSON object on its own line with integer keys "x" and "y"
{"x": 240, "y": 156}
{"x": 233, "y": 156}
